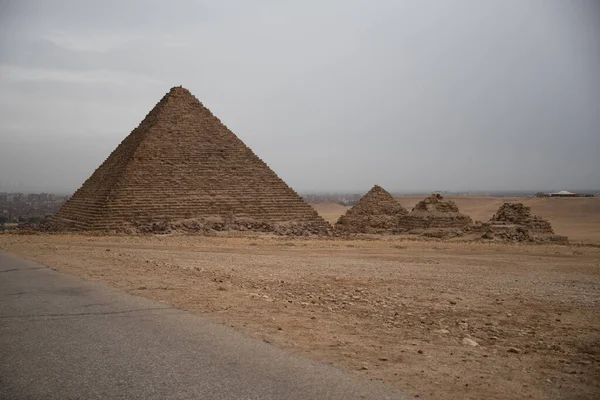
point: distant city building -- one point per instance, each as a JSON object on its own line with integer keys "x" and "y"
{"x": 19, "y": 207}
{"x": 565, "y": 193}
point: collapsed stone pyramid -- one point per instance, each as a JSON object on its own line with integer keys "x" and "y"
{"x": 435, "y": 212}
{"x": 375, "y": 212}
{"x": 514, "y": 222}
{"x": 181, "y": 167}
{"x": 519, "y": 214}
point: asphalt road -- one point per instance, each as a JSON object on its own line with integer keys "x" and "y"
{"x": 65, "y": 338}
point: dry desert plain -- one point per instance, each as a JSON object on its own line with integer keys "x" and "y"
{"x": 436, "y": 319}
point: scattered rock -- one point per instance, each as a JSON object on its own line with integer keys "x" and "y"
{"x": 469, "y": 342}
{"x": 513, "y": 350}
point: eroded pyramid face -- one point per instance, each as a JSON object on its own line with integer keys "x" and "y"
{"x": 376, "y": 212}
{"x": 519, "y": 214}
{"x": 436, "y": 212}
{"x": 436, "y": 203}
{"x": 182, "y": 165}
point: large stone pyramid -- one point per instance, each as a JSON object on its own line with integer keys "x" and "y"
{"x": 182, "y": 167}
{"x": 435, "y": 212}
{"x": 375, "y": 212}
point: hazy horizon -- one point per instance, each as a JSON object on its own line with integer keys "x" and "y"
{"x": 481, "y": 192}
{"x": 416, "y": 96}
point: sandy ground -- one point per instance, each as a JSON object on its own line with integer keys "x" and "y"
{"x": 578, "y": 218}
{"x": 404, "y": 312}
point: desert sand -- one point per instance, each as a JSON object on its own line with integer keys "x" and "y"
{"x": 436, "y": 319}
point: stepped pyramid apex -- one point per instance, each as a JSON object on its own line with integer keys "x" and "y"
{"x": 180, "y": 89}
{"x": 179, "y": 93}
{"x": 377, "y": 189}
{"x": 378, "y": 200}
{"x": 181, "y": 168}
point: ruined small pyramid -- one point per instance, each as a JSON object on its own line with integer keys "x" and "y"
{"x": 514, "y": 222}
{"x": 376, "y": 212}
{"x": 182, "y": 167}
{"x": 519, "y": 214}
{"x": 436, "y": 212}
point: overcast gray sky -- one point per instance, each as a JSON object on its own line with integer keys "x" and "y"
{"x": 333, "y": 95}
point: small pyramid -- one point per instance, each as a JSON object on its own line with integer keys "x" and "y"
{"x": 435, "y": 212}
{"x": 182, "y": 166}
{"x": 520, "y": 215}
{"x": 376, "y": 212}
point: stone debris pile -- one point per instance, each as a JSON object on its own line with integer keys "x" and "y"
{"x": 436, "y": 217}
{"x": 514, "y": 222}
{"x": 519, "y": 214}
